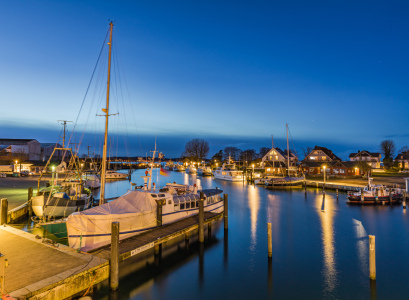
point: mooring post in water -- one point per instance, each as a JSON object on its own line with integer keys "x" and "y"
{"x": 3, "y": 211}
{"x": 159, "y": 205}
{"x": 362, "y": 195}
{"x": 30, "y": 207}
{"x": 390, "y": 196}
{"x": 372, "y": 258}
{"x": 404, "y": 200}
{"x": 269, "y": 240}
{"x": 201, "y": 218}
{"x": 305, "y": 187}
{"x": 337, "y": 193}
{"x": 226, "y": 211}
{"x": 114, "y": 263}
{"x": 209, "y": 230}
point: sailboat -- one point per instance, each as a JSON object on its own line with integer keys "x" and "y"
{"x": 136, "y": 209}
{"x": 287, "y": 181}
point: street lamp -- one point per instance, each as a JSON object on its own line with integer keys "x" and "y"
{"x": 53, "y": 169}
{"x": 356, "y": 169}
{"x": 16, "y": 165}
{"x": 324, "y": 173}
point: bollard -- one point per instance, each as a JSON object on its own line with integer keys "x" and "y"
{"x": 114, "y": 262}
{"x": 3, "y": 211}
{"x": 201, "y": 218}
{"x": 269, "y": 240}
{"x": 226, "y": 211}
{"x": 159, "y": 204}
{"x": 372, "y": 258}
{"x": 404, "y": 200}
{"x": 30, "y": 207}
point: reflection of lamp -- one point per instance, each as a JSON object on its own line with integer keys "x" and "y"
{"x": 356, "y": 169}
{"x": 253, "y": 169}
{"x": 324, "y": 173}
{"x": 16, "y": 165}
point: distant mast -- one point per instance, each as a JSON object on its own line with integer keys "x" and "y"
{"x": 288, "y": 153}
{"x": 106, "y": 111}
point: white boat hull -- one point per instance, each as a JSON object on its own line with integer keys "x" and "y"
{"x": 230, "y": 178}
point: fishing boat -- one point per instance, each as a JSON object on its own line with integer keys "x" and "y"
{"x": 204, "y": 171}
{"x": 229, "y": 172}
{"x": 111, "y": 174}
{"x": 92, "y": 181}
{"x": 191, "y": 169}
{"x": 179, "y": 168}
{"x": 375, "y": 194}
{"x": 136, "y": 211}
{"x": 287, "y": 181}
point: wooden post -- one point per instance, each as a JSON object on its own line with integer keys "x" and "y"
{"x": 114, "y": 262}
{"x": 404, "y": 200}
{"x": 3, "y": 211}
{"x": 159, "y": 204}
{"x": 372, "y": 258}
{"x": 362, "y": 195}
{"x": 201, "y": 218}
{"x": 390, "y": 196}
{"x": 187, "y": 233}
{"x": 226, "y": 211}
{"x": 305, "y": 187}
{"x": 337, "y": 192}
{"x": 269, "y": 240}
{"x": 30, "y": 207}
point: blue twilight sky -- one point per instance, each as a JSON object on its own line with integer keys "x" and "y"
{"x": 231, "y": 72}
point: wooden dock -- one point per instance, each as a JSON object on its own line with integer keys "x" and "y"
{"x": 334, "y": 185}
{"x": 42, "y": 270}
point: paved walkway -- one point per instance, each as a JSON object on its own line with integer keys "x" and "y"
{"x": 34, "y": 265}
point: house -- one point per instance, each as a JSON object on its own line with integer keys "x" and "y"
{"x": 332, "y": 168}
{"x": 372, "y": 158}
{"x": 403, "y": 160}
{"x": 321, "y": 154}
{"x": 275, "y": 161}
{"x": 19, "y": 149}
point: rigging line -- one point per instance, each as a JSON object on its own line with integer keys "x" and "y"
{"x": 132, "y": 110}
{"x": 295, "y": 151}
{"x": 121, "y": 96}
{"x": 89, "y": 84}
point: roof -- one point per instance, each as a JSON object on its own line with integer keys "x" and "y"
{"x": 11, "y": 141}
{"x": 328, "y": 152}
{"x": 2, "y": 147}
{"x": 365, "y": 153}
{"x": 404, "y": 156}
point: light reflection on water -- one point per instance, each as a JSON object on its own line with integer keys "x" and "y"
{"x": 320, "y": 249}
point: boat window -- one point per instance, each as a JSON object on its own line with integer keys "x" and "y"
{"x": 170, "y": 202}
{"x": 182, "y": 206}
{"x": 193, "y": 205}
{"x": 176, "y": 207}
{"x": 154, "y": 195}
{"x": 197, "y": 204}
{"x": 187, "y": 205}
{"x": 161, "y": 195}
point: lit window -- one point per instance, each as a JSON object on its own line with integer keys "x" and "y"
{"x": 268, "y": 169}
{"x": 312, "y": 157}
{"x": 276, "y": 157}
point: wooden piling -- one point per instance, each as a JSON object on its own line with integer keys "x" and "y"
{"x": 114, "y": 262}
{"x": 269, "y": 240}
{"x": 201, "y": 218}
{"x": 390, "y": 196}
{"x": 305, "y": 187}
{"x": 226, "y": 211}
{"x": 159, "y": 204}
{"x": 3, "y": 211}
{"x": 337, "y": 192}
{"x": 30, "y": 207}
{"x": 362, "y": 195}
{"x": 372, "y": 258}
{"x": 404, "y": 200}
{"x": 209, "y": 230}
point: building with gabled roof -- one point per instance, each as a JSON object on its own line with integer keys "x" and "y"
{"x": 332, "y": 168}
{"x": 321, "y": 154}
{"x": 17, "y": 149}
{"x": 372, "y": 158}
{"x": 403, "y": 160}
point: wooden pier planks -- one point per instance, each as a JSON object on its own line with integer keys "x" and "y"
{"x": 147, "y": 240}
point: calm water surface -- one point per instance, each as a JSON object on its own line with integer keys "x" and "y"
{"x": 320, "y": 250}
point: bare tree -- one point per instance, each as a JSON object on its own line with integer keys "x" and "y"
{"x": 387, "y": 148}
{"x": 263, "y": 151}
{"x": 196, "y": 149}
{"x": 233, "y": 152}
{"x": 403, "y": 149}
{"x": 306, "y": 151}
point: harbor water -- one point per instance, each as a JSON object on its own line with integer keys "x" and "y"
{"x": 320, "y": 249}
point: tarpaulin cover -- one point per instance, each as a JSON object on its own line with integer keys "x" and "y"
{"x": 90, "y": 229}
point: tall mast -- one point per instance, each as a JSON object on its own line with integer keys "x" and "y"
{"x": 288, "y": 152}
{"x": 63, "y": 137}
{"x": 106, "y": 111}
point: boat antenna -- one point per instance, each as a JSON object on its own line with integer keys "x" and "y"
{"x": 150, "y": 171}
{"x": 106, "y": 111}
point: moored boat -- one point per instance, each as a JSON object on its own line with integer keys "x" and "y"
{"x": 229, "y": 172}
{"x": 375, "y": 194}
{"x": 204, "y": 171}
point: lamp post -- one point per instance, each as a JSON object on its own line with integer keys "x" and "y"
{"x": 356, "y": 169}
{"x": 53, "y": 169}
{"x": 324, "y": 173}
{"x": 16, "y": 165}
